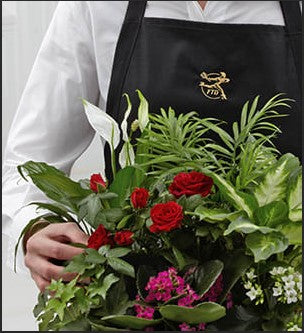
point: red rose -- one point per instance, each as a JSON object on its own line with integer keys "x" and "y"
{"x": 96, "y": 179}
{"x": 123, "y": 237}
{"x": 139, "y": 198}
{"x": 166, "y": 216}
{"x": 101, "y": 236}
{"x": 191, "y": 183}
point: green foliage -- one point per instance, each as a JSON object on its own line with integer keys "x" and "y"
{"x": 130, "y": 321}
{"x": 203, "y": 312}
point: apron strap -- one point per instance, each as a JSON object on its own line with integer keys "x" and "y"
{"x": 123, "y": 53}
{"x": 293, "y": 26}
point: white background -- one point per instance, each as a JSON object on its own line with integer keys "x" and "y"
{"x": 24, "y": 24}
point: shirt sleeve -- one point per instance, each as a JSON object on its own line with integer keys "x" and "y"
{"x": 50, "y": 123}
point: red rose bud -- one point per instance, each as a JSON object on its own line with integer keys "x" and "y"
{"x": 139, "y": 198}
{"x": 166, "y": 217}
{"x": 96, "y": 179}
{"x": 191, "y": 183}
{"x": 124, "y": 237}
{"x": 101, "y": 236}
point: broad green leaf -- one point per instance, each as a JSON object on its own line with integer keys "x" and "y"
{"x": 123, "y": 222}
{"x": 121, "y": 266}
{"x": 94, "y": 257}
{"x": 265, "y": 245}
{"x": 80, "y": 324}
{"x": 118, "y": 252}
{"x": 181, "y": 262}
{"x": 94, "y": 207}
{"x": 206, "y": 275}
{"x": 55, "y": 208}
{"x": 130, "y": 322}
{"x": 243, "y": 224}
{"x": 203, "y": 312}
{"x": 212, "y": 215}
{"x": 236, "y": 263}
{"x": 117, "y": 299}
{"x": 294, "y": 198}
{"x": 102, "y": 123}
{"x": 272, "y": 214}
{"x": 107, "y": 282}
{"x": 54, "y": 183}
{"x": 99, "y": 327}
{"x": 293, "y": 232}
{"x": 274, "y": 185}
{"x": 143, "y": 111}
{"x": 82, "y": 301}
{"x": 232, "y": 195}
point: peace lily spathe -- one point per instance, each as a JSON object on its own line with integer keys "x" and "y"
{"x": 109, "y": 130}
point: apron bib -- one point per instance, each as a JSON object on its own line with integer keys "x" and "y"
{"x": 209, "y": 68}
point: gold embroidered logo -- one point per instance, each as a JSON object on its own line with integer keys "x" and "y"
{"x": 211, "y": 85}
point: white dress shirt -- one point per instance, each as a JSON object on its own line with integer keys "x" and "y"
{"x": 75, "y": 60}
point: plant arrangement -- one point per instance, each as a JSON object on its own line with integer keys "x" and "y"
{"x": 200, "y": 229}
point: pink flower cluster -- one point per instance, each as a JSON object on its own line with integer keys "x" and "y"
{"x": 215, "y": 291}
{"x": 185, "y": 327}
{"x": 168, "y": 284}
{"x": 145, "y": 312}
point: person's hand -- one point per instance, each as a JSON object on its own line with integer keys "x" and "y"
{"x": 51, "y": 243}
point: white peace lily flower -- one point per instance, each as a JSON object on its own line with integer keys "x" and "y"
{"x": 102, "y": 123}
{"x": 127, "y": 155}
{"x": 277, "y": 291}
{"x": 278, "y": 271}
{"x": 143, "y": 111}
{"x": 252, "y": 293}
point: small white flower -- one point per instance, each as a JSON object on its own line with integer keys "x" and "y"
{"x": 277, "y": 291}
{"x": 294, "y": 328}
{"x": 252, "y": 293}
{"x": 299, "y": 285}
{"x": 278, "y": 271}
{"x": 289, "y": 285}
{"x": 287, "y": 279}
{"x": 250, "y": 275}
{"x": 291, "y": 296}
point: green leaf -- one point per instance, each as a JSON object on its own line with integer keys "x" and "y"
{"x": 236, "y": 263}
{"x": 272, "y": 214}
{"x": 294, "y": 198}
{"x": 204, "y": 312}
{"x": 100, "y": 327}
{"x": 265, "y": 245}
{"x": 212, "y": 215}
{"x": 94, "y": 206}
{"x": 206, "y": 275}
{"x": 118, "y": 252}
{"x": 121, "y": 266}
{"x": 123, "y": 222}
{"x": 55, "y": 208}
{"x": 293, "y": 232}
{"x": 107, "y": 282}
{"x": 274, "y": 185}
{"x": 122, "y": 186}
{"x": 39, "y": 307}
{"x": 239, "y": 201}
{"x": 117, "y": 298}
{"x": 54, "y": 183}
{"x": 57, "y": 306}
{"x": 130, "y": 322}
{"x": 80, "y": 324}
{"x": 82, "y": 301}
{"x": 181, "y": 262}
{"x": 78, "y": 264}
{"x": 244, "y": 225}
{"x": 94, "y": 257}
{"x": 202, "y": 231}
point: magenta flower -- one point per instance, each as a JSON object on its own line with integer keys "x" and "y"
{"x": 186, "y": 328}
{"x": 215, "y": 291}
{"x": 229, "y": 301}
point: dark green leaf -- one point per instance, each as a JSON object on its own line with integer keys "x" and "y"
{"x": 121, "y": 266}
{"x": 272, "y": 214}
{"x": 130, "y": 322}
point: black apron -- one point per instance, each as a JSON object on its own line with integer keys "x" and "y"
{"x": 209, "y": 68}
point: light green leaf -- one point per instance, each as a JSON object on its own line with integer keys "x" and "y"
{"x": 293, "y": 232}
{"x": 234, "y": 197}
{"x": 294, "y": 198}
{"x": 94, "y": 257}
{"x": 242, "y": 224}
{"x": 265, "y": 245}
{"x": 212, "y": 215}
{"x": 204, "y": 312}
{"x": 130, "y": 322}
{"x": 118, "y": 252}
{"x": 272, "y": 214}
{"x": 121, "y": 266}
{"x": 274, "y": 185}
{"x": 143, "y": 111}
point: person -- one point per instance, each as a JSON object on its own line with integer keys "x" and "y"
{"x": 99, "y": 50}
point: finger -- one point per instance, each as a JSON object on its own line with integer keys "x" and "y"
{"x": 52, "y": 249}
{"x": 40, "y": 281}
{"x": 47, "y": 270}
{"x": 69, "y": 230}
